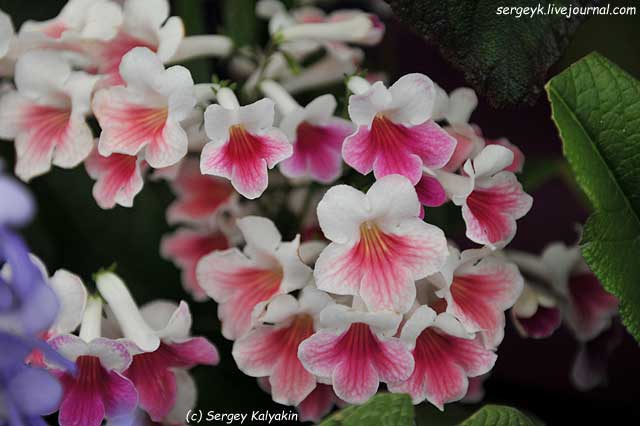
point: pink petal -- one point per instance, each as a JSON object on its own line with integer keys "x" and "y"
{"x": 318, "y": 404}
{"x": 317, "y": 151}
{"x": 191, "y": 352}
{"x": 356, "y": 360}
{"x": 238, "y": 287}
{"x": 442, "y": 364}
{"x": 46, "y": 129}
{"x": 491, "y": 210}
{"x": 430, "y": 191}
{"x": 245, "y": 157}
{"x": 198, "y": 196}
{"x": 541, "y": 325}
{"x": 127, "y": 128}
{"x": 119, "y": 395}
{"x": 479, "y": 296}
{"x": 390, "y": 148}
{"x": 468, "y": 143}
{"x": 119, "y": 178}
{"x": 186, "y": 247}
{"x": 592, "y": 307}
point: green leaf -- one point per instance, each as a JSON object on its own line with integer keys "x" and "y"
{"x": 596, "y": 106}
{"x": 240, "y": 21}
{"x": 499, "y": 415}
{"x": 503, "y": 57}
{"x": 385, "y": 409}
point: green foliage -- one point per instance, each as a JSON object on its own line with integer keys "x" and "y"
{"x": 596, "y": 107}
{"x": 504, "y": 57}
{"x": 498, "y": 415}
{"x": 240, "y": 21}
{"x": 385, "y": 409}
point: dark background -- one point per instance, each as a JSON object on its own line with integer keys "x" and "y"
{"x": 70, "y": 231}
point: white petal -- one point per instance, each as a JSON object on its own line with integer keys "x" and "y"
{"x": 113, "y": 354}
{"x": 140, "y": 67}
{"x": 413, "y": 99}
{"x": 491, "y": 160}
{"x": 258, "y": 115}
{"x": 280, "y": 308}
{"x": 462, "y": 102}
{"x": 363, "y": 108}
{"x": 217, "y": 122}
{"x": 321, "y": 109}
{"x": 421, "y": 318}
{"x": 260, "y": 233}
{"x": 393, "y": 198}
{"x": 41, "y": 73}
{"x": 72, "y": 295}
{"x": 341, "y": 212}
{"x": 125, "y": 310}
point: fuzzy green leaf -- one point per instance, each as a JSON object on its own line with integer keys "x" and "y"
{"x": 498, "y": 415}
{"x": 503, "y": 56}
{"x": 385, "y": 409}
{"x": 596, "y": 106}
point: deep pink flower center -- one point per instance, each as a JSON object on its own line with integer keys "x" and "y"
{"x": 359, "y": 342}
{"x": 90, "y": 373}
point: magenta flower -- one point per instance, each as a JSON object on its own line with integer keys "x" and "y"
{"x": 535, "y": 314}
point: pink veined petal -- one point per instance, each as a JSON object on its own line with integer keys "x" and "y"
{"x": 591, "y": 306}
{"x": 318, "y": 404}
{"x": 185, "y": 248}
{"x": 82, "y": 401}
{"x": 244, "y": 158}
{"x": 467, "y": 144}
{"x": 155, "y": 383}
{"x": 539, "y": 326}
{"x": 382, "y": 267}
{"x": 442, "y": 365}
{"x": 127, "y": 128}
{"x": 153, "y": 376}
{"x": 230, "y": 279}
{"x": 479, "y": 297}
{"x": 491, "y": 210}
{"x": 119, "y": 178}
{"x": 356, "y": 360}
{"x": 45, "y": 128}
{"x": 390, "y": 148}
{"x": 430, "y": 191}
{"x": 317, "y": 151}
{"x": 198, "y": 196}
{"x": 119, "y": 395}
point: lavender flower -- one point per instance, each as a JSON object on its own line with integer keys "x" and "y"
{"x": 28, "y": 306}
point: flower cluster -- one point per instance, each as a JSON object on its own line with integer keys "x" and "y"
{"x": 364, "y": 291}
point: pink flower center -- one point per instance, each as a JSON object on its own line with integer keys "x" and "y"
{"x": 143, "y": 123}
{"x": 387, "y": 135}
{"x": 243, "y": 145}
{"x": 359, "y": 342}
{"x": 485, "y": 205}
{"x": 90, "y": 373}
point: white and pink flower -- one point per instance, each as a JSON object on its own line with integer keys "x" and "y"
{"x": 395, "y": 134}
{"x": 239, "y": 281}
{"x": 445, "y": 356}
{"x": 198, "y": 197}
{"x": 589, "y": 308}
{"x": 244, "y": 144}
{"x": 97, "y": 389}
{"x": 46, "y": 115}
{"x": 144, "y": 116}
{"x": 479, "y": 287}
{"x": 379, "y": 246}
{"x": 315, "y": 133}
{"x": 271, "y": 348}
{"x": 535, "y": 314}
{"x": 492, "y": 199}
{"x": 186, "y": 247}
{"x": 119, "y": 178}
{"x": 353, "y": 352}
